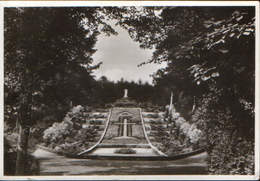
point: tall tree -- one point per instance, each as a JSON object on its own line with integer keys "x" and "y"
{"x": 210, "y": 53}
{"x": 47, "y": 59}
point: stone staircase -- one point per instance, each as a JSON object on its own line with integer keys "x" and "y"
{"x": 111, "y": 140}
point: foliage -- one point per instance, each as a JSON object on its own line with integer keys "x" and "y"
{"x": 235, "y": 159}
{"x": 108, "y": 92}
{"x": 222, "y": 131}
{"x": 210, "y": 55}
{"x": 190, "y": 131}
{"x": 57, "y": 132}
{"x": 48, "y": 62}
{"x": 42, "y": 82}
{"x": 71, "y": 136}
{"x": 125, "y": 151}
{"x": 51, "y": 80}
{"x": 177, "y": 135}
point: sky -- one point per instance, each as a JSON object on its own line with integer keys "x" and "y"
{"x": 120, "y": 56}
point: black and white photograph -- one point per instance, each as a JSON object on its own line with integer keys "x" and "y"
{"x": 130, "y": 89}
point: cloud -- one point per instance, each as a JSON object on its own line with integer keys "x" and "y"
{"x": 120, "y": 56}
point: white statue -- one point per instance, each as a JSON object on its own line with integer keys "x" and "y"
{"x": 126, "y": 91}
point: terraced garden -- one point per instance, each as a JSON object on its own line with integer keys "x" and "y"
{"x": 78, "y": 131}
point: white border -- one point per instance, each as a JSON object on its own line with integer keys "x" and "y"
{"x": 126, "y": 3}
{"x": 136, "y": 3}
{"x": 257, "y": 93}
{"x": 1, "y": 90}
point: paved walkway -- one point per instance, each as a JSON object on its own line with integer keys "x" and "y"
{"x": 52, "y": 164}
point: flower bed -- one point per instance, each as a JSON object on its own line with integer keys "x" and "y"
{"x": 71, "y": 136}
{"x": 176, "y": 136}
{"x": 125, "y": 151}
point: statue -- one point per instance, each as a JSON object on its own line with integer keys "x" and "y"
{"x": 126, "y": 91}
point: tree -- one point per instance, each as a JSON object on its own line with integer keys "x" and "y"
{"x": 210, "y": 53}
{"x": 47, "y": 58}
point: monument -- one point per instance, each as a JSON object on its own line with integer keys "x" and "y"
{"x": 125, "y": 94}
{"x": 125, "y": 101}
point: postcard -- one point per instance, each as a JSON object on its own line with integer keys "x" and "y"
{"x": 129, "y": 90}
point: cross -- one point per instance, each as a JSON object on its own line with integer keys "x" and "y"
{"x": 125, "y": 128}
{"x": 125, "y": 124}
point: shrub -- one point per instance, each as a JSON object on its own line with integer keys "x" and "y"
{"x": 125, "y": 151}
{"x": 154, "y": 115}
{"x": 232, "y": 159}
{"x": 187, "y": 130}
{"x": 77, "y": 114}
{"x": 173, "y": 147}
{"x": 231, "y": 151}
{"x": 194, "y": 135}
{"x": 176, "y": 135}
{"x": 72, "y": 135}
{"x": 58, "y": 131}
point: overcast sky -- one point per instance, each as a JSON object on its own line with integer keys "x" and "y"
{"x": 120, "y": 56}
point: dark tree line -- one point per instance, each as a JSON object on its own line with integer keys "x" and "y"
{"x": 108, "y": 92}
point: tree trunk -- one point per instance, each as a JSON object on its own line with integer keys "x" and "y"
{"x": 22, "y": 145}
{"x": 24, "y": 130}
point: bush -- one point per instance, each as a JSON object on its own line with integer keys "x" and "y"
{"x": 231, "y": 151}
{"x": 189, "y": 131}
{"x": 154, "y": 115}
{"x": 71, "y": 136}
{"x": 58, "y": 132}
{"x": 232, "y": 159}
{"x": 176, "y": 135}
{"x": 77, "y": 114}
{"x": 125, "y": 151}
{"x": 173, "y": 147}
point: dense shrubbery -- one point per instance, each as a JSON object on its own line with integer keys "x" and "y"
{"x": 230, "y": 145}
{"x": 190, "y": 131}
{"x": 96, "y": 122}
{"x": 234, "y": 159}
{"x": 176, "y": 135}
{"x": 71, "y": 135}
